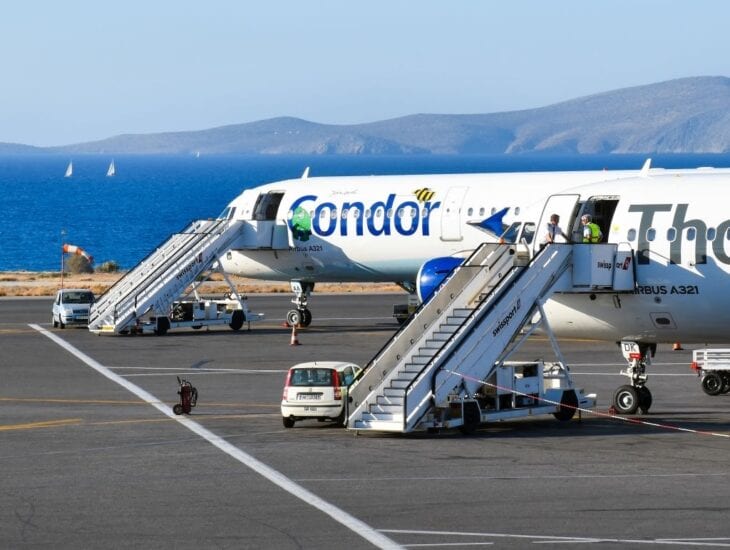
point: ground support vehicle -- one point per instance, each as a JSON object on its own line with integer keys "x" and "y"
{"x": 713, "y": 368}
{"x": 198, "y": 313}
{"x": 513, "y": 390}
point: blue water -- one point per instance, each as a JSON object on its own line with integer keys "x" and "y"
{"x": 125, "y": 217}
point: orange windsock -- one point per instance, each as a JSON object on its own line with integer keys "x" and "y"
{"x": 73, "y": 249}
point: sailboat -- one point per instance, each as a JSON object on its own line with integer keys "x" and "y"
{"x": 112, "y": 171}
{"x": 69, "y": 170}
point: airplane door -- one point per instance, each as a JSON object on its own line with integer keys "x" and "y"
{"x": 451, "y": 214}
{"x": 565, "y": 207}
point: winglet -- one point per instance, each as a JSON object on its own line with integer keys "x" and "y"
{"x": 644, "y": 173}
{"x": 493, "y": 224}
{"x": 305, "y": 174}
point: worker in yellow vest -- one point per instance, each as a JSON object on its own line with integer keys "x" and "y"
{"x": 591, "y": 232}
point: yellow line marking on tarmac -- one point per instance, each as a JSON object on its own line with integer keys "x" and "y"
{"x": 123, "y": 402}
{"x": 80, "y": 421}
{"x": 15, "y": 331}
{"x": 71, "y": 401}
{"x": 44, "y": 424}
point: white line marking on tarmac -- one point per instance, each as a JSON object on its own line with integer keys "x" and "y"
{"x": 550, "y": 539}
{"x": 354, "y": 524}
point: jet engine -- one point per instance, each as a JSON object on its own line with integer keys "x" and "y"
{"x": 432, "y": 273}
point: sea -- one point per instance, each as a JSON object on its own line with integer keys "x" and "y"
{"x": 123, "y": 218}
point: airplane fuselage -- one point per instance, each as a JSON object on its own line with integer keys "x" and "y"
{"x": 384, "y": 228}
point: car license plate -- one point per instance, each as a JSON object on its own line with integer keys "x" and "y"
{"x": 309, "y": 396}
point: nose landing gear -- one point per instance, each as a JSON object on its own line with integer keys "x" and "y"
{"x": 301, "y": 316}
{"x": 629, "y": 398}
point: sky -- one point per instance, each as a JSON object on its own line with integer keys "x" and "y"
{"x": 82, "y": 70}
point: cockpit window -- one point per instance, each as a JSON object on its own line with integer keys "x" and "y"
{"x": 510, "y": 234}
{"x": 227, "y": 213}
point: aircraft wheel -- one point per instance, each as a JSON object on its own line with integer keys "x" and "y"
{"x": 712, "y": 383}
{"x": 568, "y": 405}
{"x": 725, "y": 382}
{"x": 237, "y": 319}
{"x": 645, "y": 399}
{"x": 472, "y": 419}
{"x": 294, "y": 317}
{"x": 163, "y": 323}
{"x": 177, "y": 409}
{"x": 306, "y": 317}
{"x": 626, "y": 399}
{"x": 288, "y": 422}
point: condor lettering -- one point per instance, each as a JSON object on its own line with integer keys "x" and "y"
{"x": 350, "y": 218}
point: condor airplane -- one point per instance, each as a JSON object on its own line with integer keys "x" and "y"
{"x": 400, "y": 228}
{"x": 379, "y": 228}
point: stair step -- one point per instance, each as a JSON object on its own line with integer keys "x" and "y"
{"x": 411, "y": 368}
{"x": 386, "y": 409}
{"x": 381, "y": 417}
{"x": 390, "y": 400}
{"x": 376, "y": 426}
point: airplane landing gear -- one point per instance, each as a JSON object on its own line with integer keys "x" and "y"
{"x": 629, "y": 398}
{"x": 301, "y": 316}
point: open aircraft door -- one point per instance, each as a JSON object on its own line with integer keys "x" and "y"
{"x": 564, "y": 206}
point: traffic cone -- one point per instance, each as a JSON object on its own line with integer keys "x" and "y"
{"x": 294, "y": 339}
{"x": 677, "y": 347}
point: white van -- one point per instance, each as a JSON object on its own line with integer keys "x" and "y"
{"x": 71, "y": 307}
{"x": 317, "y": 389}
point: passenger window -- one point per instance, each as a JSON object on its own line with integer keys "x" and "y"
{"x": 671, "y": 234}
{"x": 691, "y": 233}
{"x": 711, "y": 233}
{"x": 650, "y": 234}
{"x": 631, "y": 235}
{"x": 481, "y": 211}
{"x": 470, "y": 212}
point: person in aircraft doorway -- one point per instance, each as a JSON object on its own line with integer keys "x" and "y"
{"x": 591, "y": 232}
{"x": 555, "y": 233}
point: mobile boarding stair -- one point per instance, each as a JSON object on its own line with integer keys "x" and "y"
{"x": 155, "y": 286}
{"x": 446, "y": 367}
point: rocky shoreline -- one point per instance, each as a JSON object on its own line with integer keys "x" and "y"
{"x": 28, "y": 283}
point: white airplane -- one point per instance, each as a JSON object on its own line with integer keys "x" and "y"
{"x": 400, "y": 228}
{"x": 378, "y": 228}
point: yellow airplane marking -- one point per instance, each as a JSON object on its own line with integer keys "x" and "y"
{"x": 43, "y": 424}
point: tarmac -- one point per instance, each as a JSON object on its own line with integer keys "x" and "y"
{"x": 91, "y": 455}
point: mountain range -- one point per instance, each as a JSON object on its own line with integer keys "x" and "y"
{"x": 688, "y": 115}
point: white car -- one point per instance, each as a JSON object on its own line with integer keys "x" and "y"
{"x": 71, "y": 307}
{"x": 318, "y": 390}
